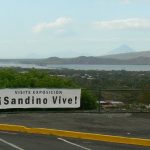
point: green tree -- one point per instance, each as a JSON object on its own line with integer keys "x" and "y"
{"x": 88, "y": 100}
{"x": 145, "y": 95}
{"x": 10, "y": 78}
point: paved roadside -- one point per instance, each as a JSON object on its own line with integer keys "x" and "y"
{"x": 123, "y": 124}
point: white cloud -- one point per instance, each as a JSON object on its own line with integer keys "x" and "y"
{"x": 131, "y": 23}
{"x": 59, "y": 23}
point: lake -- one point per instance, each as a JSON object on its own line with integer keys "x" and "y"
{"x": 82, "y": 67}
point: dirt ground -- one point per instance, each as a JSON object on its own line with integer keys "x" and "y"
{"x": 125, "y": 124}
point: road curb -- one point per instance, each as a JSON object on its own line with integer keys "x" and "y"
{"x": 73, "y": 134}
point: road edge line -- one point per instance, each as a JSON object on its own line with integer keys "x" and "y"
{"x": 80, "y": 135}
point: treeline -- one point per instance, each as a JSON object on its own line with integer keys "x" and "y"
{"x": 107, "y": 79}
{"x": 119, "y": 80}
{"x": 89, "y": 80}
{"x": 11, "y": 78}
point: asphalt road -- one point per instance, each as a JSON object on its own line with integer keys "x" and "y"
{"x": 19, "y": 141}
{"x": 122, "y": 124}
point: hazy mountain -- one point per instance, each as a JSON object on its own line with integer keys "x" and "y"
{"x": 139, "y": 58}
{"x": 122, "y": 49}
{"x": 126, "y": 56}
{"x": 33, "y": 56}
{"x": 136, "y": 58}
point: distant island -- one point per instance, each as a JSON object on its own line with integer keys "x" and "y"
{"x": 132, "y": 58}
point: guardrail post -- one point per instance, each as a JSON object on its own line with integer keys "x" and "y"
{"x": 99, "y": 104}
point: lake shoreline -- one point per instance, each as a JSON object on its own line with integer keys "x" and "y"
{"x": 80, "y": 67}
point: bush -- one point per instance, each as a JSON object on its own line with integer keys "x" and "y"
{"x": 88, "y": 100}
{"x": 10, "y": 78}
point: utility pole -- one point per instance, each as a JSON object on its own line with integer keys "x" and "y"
{"x": 99, "y": 104}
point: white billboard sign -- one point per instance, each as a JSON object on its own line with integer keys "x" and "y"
{"x": 40, "y": 98}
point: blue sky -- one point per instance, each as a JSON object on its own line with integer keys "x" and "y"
{"x": 69, "y": 28}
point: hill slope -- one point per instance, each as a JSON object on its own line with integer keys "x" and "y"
{"x": 136, "y": 58}
{"x": 126, "y": 56}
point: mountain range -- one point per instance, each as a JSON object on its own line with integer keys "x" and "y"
{"x": 132, "y": 58}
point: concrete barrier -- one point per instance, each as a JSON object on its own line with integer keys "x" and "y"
{"x": 81, "y": 135}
